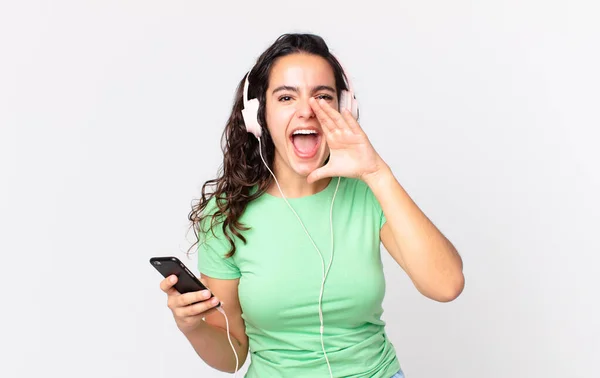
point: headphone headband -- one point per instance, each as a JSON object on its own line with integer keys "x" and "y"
{"x": 246, "y": 85}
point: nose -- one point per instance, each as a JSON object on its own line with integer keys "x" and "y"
{"x": 303, "y": 109}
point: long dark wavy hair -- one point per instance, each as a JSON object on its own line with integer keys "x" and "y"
{"x": 242, "y": 169}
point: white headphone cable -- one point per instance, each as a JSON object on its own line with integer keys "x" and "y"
{"x": 237, "y": 362}
{"x": 325, "y": 272}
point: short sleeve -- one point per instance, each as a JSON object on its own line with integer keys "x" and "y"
{"x": 212, "y": 250}
{"x": 377, "y": 206}
{"x": 383, "y": 219}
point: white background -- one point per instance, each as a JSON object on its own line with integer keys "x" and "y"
{"x": 111, "y": 114}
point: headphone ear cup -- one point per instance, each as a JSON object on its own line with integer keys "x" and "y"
{"x": 344, "y": 97}
{"x": 354, "y": 108}
{"x": 347, "y": 101}
{"x": 250, "y": 115}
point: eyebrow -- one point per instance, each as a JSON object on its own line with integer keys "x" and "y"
{"x": 295, "y": 89}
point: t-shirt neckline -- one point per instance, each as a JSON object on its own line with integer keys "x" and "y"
{"x": 328, "y": 189}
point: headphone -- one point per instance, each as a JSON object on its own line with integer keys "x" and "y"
{"x": 250, "y": 115}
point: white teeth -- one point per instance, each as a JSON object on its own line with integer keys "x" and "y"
{"x": 306, "y": 132}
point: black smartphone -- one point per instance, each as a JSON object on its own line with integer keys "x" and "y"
{"x": 186, "y": 280}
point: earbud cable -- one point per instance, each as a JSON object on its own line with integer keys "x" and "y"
{"x": 237, "y": 362}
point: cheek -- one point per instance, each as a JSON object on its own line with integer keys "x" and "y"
{"x": 278, "y": 120}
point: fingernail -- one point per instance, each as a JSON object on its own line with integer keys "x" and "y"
{"x": 206, "y": 293}
{"x": 172, "y": 279}
{"x": 214, "y": 301}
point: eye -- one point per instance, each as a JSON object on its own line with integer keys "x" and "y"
{"x": 284, "y": 98}
{"x": 325, "y": 97}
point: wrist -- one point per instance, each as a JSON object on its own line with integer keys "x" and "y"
{"x": 191, "y": 330}
{"x": 379, "y": 176}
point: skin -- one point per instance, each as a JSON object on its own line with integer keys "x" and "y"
{"x": 420, "y": 249}
{"x": 289, "y": 109}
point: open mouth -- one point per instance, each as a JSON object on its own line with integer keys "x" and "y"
{"x": 306, "y": 142}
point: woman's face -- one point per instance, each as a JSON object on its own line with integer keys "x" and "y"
{"x": 297, "y": 134}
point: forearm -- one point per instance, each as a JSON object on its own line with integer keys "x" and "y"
{"x": 212, "y": 345}
{"x": 429, "y": 258}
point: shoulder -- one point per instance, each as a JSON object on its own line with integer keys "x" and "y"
{"x": 212, "y": 217}
{"x": 214, "y": 247}
{"x": 359, "y": 196}
{"x": 225, "y": 219}
{"x": 357, "y": 190}
{"x": 355, "y": 184}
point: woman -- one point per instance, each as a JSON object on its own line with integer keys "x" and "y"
{"x": 292, "y": 246}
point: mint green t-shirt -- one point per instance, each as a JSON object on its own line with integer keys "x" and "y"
{"x": 280, "y": 275}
